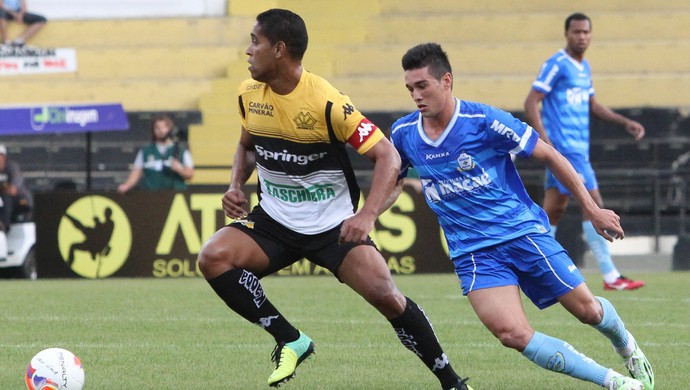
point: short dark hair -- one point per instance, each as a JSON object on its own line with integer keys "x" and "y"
{"x": 286, "y": 26}
{"x": 576, "y": 16}
{"x": 428, "y": 54}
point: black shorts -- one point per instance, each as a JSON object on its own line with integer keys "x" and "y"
{"x": 29, "y": 18}
{"x": 284, "y": 246}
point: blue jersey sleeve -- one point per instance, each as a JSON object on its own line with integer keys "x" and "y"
{"x": 509, "y": 134}
{"x": 548, "y": 76}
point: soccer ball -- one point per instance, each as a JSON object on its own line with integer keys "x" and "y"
{"x": 55, "y": 369}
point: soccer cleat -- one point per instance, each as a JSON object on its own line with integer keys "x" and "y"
{"x": 625, "y": 383}
{"x": 640, "y": 369}
{"x": 623, "y": 283}
{"x": 460, "y": 385}
{"x": 287, "y": 357}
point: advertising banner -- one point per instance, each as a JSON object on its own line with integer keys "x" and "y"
{"x": 159, "y": 234}
{"x": 33, "y": 60}
{"x": 56, "y": 118}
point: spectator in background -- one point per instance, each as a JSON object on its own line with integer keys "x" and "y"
{"x": 14, "y": 194}
{"x": 16, "y": 10}
{"x": 564, "y": 87}
{"x": 165, "y": 164}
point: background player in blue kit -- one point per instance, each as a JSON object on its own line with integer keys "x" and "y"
{"x": 497, "y": 236}
{"x": 564, "y": 87}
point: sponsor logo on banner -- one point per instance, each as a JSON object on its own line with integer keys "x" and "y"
{"x": 30, "y": 60}
{"x": 94, "y": 237}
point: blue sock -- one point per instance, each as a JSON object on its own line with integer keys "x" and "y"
{"x": 599, "y": 247}
{"x": 558, "y": 356}
{"x": 611, "y": 325}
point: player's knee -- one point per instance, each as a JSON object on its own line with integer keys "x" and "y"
{"x": 212, "y": 257}
{"x": 591, "y": 314}
{"x": 390, "y": 302}
{"x": 514, "y": 338}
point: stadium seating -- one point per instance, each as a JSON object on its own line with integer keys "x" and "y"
{"x": 639, "y": 56}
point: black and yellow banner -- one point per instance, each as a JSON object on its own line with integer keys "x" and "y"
{"x": 159, "y": 234}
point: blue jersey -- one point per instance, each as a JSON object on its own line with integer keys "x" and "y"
{"x": 468, "y": 177}
{"x": 567, "y": 86}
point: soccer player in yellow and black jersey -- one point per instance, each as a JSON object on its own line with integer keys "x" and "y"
{"x": 295, "y": 127}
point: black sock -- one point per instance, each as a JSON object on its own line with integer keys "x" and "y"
{"x": 416, "y": 334}
{"x": 243, "y": 293}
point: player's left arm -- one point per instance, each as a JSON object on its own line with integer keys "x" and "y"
{"x": 606, "y": 222}
{"x": 386, "y": 169}
{"x": 604, "y": 113}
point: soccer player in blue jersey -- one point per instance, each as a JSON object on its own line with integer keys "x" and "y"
{"x": 498, "y": 237}
{"x": 564, "y": 88}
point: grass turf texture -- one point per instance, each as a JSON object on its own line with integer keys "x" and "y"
{"x": 175, "y": 333}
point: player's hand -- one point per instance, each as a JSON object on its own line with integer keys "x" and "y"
{"x": 607, "y": 224}
{"x": 635, "y": 128}
{"x": 355, "y": 229}
{"x": 233, "y": 203}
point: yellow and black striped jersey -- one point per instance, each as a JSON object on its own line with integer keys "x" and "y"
{"x": 306, "y": 181}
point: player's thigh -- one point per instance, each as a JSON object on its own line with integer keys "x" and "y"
{"x": 231, "y": 248}
{"x": 366, "y": 272}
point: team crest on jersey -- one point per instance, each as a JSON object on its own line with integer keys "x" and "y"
{"x": 465, "y": 162}
{"x": 305, "y": 121}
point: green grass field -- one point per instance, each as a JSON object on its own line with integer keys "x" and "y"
{"x": 177, "y": 334}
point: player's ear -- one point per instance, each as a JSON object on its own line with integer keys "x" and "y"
{"x": 447, "y": 80}
{"x": 280, "y": 49}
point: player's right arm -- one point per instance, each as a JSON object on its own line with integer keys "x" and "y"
{"x": 606, "y": 222}
{"x": 243, "y": 165}
{"x": 534, "y": 98}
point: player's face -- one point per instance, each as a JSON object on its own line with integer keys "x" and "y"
{"x": 429, "y": 94}
{"x": 578, "y": 36}
{"x": 261, "y": 55}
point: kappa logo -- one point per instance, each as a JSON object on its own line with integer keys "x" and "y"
{"x": 364, "y": 129}
{"x": 440, "y": 363}
{"x": 265, "y": 322}
{"x": 348, "y": 109}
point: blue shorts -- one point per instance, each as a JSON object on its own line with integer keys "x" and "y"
{"x": 536, "y": 263}
{"x": 583, "y": 168}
